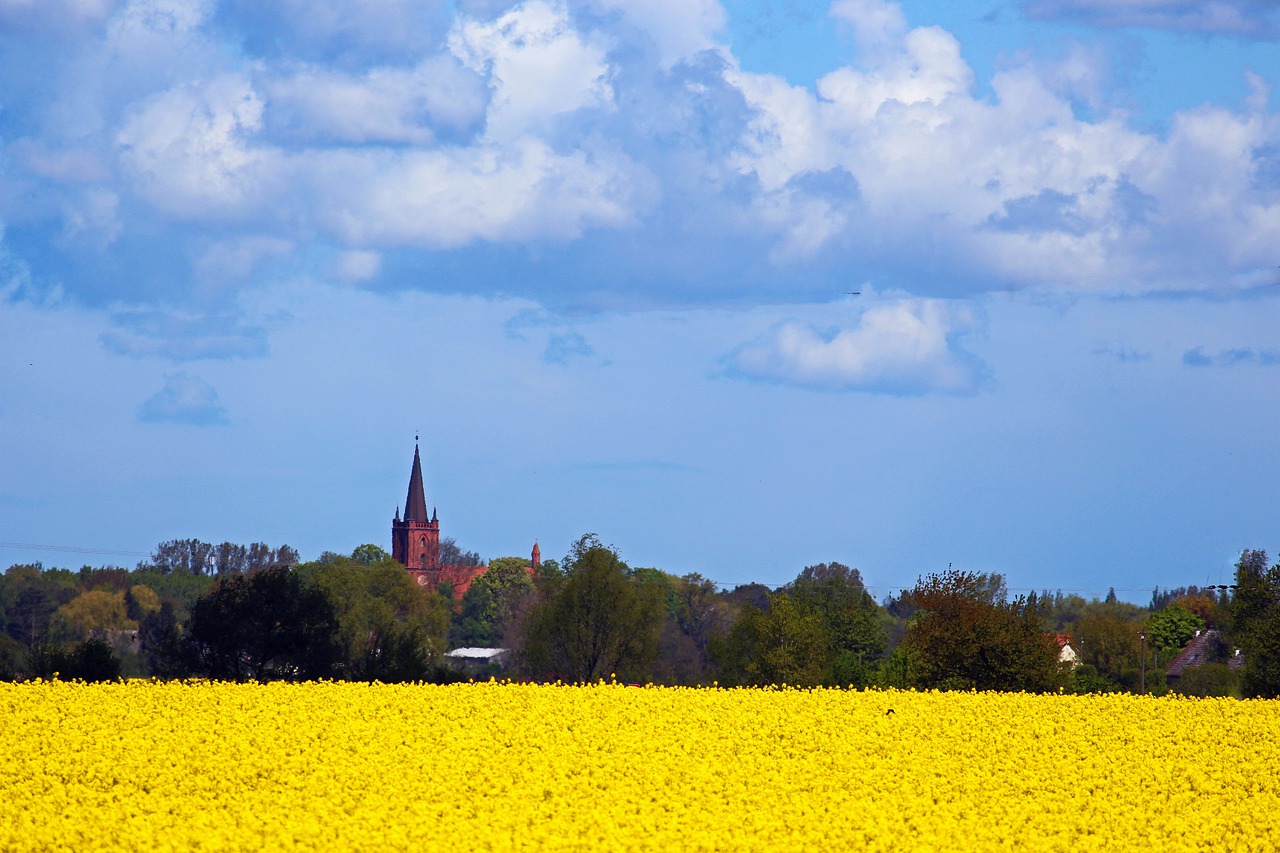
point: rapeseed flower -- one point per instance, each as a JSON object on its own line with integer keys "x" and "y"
{"x": 216, "y": 766}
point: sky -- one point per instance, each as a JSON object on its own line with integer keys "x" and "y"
{"x": 738, "y": 286}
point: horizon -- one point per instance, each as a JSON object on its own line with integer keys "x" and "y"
{"x": 740, "y": 287}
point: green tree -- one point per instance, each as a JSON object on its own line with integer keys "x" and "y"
{"x": 263, "y": 626}
{"x": 700, "y": 613}
{"x": 850, "y": 619}
{"x": 1173, "y": 627}
{"x": 961, "y": 639}
{"x": 1108, "y": 642}
{"x": 1256, "y": 623}
{"x": 370, "y": 555}
{"x": 596, "y": 621}
{"x": 389, "y": 627}
{"x": 29, "y": 596}
{"x": 491, "y": 603}
{"x": 782, "y": 643}
{"x": 164, "y": 652}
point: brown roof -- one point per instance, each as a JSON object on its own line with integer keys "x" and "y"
{"x": 1199, "y": 652}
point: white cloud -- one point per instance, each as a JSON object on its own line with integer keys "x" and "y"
{"x": 625, "y": 135}
{"x": 905, "y": 347}
{"x": 382, "y": 105}
{"x": 190, "y": 149}
{"x": 938, "y": 167}
{"x": 451, "y": 197}
{"x": 538, "y": 65}
{"x": 877, "y": 24}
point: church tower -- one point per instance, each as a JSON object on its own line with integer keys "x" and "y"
{"x": 415, "y": 540}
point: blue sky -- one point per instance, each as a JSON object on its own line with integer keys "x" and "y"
{"x": 603, "y": 255}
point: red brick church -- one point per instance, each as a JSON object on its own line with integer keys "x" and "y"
{"x": 415, "y": 542}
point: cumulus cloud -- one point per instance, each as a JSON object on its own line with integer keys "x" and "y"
{"x": 1254, "y": 18}
{"x": 538, "y": 65}
{"x": 387, "y": 105}
{"x": 910, "y": 346}
{"x": 1019, "y": 190}
{"x": 607, "y": 152}
{"x": 449, "y": 198}
{"x": 185, "y": 399}
{"x": 190, "y": 148}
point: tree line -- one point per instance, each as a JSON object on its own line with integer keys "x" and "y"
{"x": 255, "y": 612}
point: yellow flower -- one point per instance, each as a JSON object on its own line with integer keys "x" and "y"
{"x": 502, "y": 766}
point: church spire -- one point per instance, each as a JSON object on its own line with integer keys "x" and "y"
{"x": 415, "y": 505}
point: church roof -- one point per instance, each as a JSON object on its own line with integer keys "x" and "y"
{"x": 415, "y": 505}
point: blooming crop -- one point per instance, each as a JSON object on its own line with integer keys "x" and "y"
{"x": 150, "y": 765}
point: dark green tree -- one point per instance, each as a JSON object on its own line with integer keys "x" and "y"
{"x": 160, "y": 636}
{"x": 1255, "y": 616}
{"x": 91, "y": 660}
{"x": 263, "y": 626}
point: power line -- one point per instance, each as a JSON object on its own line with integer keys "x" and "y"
{"x": 72, "y": 549}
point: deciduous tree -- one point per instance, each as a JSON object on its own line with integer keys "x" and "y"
{"x": 961, "y": 639}
{"x": 596, "y": 621}
{"x": 1256, "y": 621}
{"x": 268, "y": 625}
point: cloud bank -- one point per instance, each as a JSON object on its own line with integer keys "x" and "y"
{"x": 182, "y": 152}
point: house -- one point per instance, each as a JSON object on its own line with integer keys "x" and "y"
{"x": 1067, "y": 654}
{"x": 1205, "y": 647}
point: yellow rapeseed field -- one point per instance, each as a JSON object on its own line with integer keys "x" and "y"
{"x": 157, "y": 766}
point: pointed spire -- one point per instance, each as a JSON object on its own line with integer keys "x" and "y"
{"x": 397, "y": 512}
{"x": 433, "y": 514}
{"x": 537, "y": 555}
{"x": 415, "y": 505}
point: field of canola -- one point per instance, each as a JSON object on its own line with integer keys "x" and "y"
{"x": 157, "y": 766}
